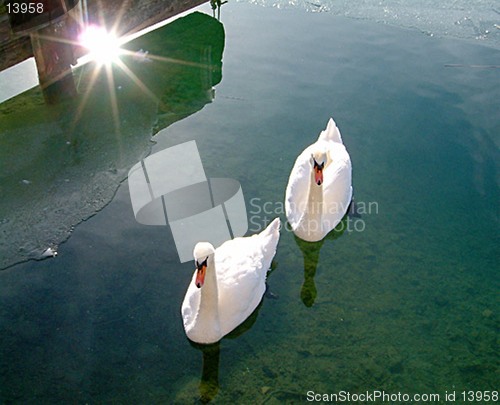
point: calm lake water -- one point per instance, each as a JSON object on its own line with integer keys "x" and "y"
{"x": 402, "y": 299}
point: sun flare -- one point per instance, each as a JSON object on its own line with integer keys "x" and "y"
{"x": 103, "y": 46}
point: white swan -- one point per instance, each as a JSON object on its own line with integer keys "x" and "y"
{"x": 319, "y": 189}
{"x": 228, "y": 284}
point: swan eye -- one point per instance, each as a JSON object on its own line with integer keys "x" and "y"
{"x": 318, "y": 166}
{"x": 200, "y": 265}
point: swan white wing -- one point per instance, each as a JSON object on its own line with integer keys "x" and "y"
{"x": 337, "y": 189}
{"x": 242, "y": 266}
{"x": 297, "y": 189}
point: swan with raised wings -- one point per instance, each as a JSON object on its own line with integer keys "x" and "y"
{"x": 319, "y": 189}
{"x": 228, "y": 284}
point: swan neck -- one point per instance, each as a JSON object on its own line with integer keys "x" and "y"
{"x": 315, "y": 196}
{"x": 209, "y": 294}
{"x": 312, "y": 218}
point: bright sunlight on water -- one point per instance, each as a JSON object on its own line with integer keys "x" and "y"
{"x": 402, "y": 297}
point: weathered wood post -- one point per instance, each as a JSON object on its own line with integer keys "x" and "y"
{"x": 53, "y": 53}
{"x": 46, "y": 28}
{"x": 52, "y": 30}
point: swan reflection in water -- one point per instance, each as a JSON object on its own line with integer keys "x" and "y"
{"x": 310, "y": 252}
{"x": 209, "y": 382}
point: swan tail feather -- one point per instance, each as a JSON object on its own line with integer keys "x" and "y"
{"x": 331, "y": 133}
{"x": 273, "y": 228}
{"x": 272, "y": 236}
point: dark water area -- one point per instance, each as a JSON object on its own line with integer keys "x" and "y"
{"x": 403, "y": 297}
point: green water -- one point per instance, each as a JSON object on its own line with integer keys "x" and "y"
{"x": 403, "y": 299}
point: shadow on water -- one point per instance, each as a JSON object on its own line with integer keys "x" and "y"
{"x": 61, "y": 164}
{"x": 183, "y": 63}
{"x": 310, "y": 252}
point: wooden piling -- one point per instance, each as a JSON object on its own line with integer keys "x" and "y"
{"x": 53, "y": 51}
{"x": 54, "y": 57}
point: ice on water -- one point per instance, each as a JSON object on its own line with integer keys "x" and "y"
{"x": 473, "y": 20}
